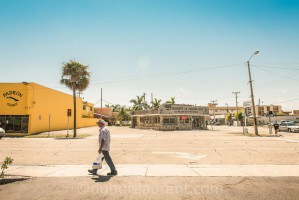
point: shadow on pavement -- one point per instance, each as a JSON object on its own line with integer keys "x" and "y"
{"x": 4, "y": 181}
{"x": 101, "y": 178}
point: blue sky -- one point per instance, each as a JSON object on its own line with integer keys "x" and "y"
{"x": 194, "y": 50}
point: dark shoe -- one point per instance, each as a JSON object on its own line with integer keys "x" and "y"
{"x": 114, "y": 173}
{"x": 93, "y": 171}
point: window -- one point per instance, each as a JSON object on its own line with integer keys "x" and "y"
{"x": 14, "y": 123}
{"x": 84, "y": 107}
{"x": 169, "y": 120}
{"x": 157, "y": 120}
{"x": 185, "y": 121}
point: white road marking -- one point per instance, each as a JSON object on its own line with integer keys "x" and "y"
{"x": 287, "y": 140}
{"x": 182, "y": 155}
{"x": 127, "y": 135}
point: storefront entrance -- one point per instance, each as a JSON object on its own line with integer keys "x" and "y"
{"x": 14, "y": 123}
{"x": 197, "y": 122}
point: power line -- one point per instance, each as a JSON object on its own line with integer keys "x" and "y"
{"x": 286, "y": 101}
{"x": 277, "y": 74}
{"x": 274, "y": 67}
{"x": 168, "y": 74}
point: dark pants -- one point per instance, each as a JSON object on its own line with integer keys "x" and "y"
{"x": 109, "y": 160}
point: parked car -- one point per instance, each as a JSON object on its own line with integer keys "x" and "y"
{"x": 282, "y": 121}
{"x": 288, "y": 126}
{"x": 2, "y": 132}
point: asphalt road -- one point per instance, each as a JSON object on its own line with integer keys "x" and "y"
{"x": 222, "y": 146}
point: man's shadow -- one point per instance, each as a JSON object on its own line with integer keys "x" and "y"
{"x": 101, "y": 178}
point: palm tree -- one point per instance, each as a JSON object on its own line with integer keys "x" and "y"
{"x": 171, "y": 101}
{"x": 122, "y": 114}
{"x": 156, "y": 103}
{"x": 115, "y": 108}
{"x": 139, "y": 103}
{"x": 129, "y": 109}
{"x": 76, "y": 77}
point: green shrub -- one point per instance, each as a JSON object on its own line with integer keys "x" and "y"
{"x": 7, "y": 161}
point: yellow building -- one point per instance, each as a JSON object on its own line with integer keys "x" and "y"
{"x": 33, "y": 108}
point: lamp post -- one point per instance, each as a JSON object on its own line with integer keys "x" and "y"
{"x": 252, "y": 97}
{"x": 236, "y": 93}
{"x": 226, "y": 108}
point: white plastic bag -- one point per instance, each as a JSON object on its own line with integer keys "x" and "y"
{"x": 97, "y": 164}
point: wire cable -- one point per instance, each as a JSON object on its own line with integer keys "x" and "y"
{"x": 168, "y": 74}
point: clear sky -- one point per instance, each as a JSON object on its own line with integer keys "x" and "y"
{"x": 194, "y": 50}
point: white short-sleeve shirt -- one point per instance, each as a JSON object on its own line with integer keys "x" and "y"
{"x": 104, "y": 135}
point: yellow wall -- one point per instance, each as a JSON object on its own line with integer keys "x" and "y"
{"x": 47, "y": 108}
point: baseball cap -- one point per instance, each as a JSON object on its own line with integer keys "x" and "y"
{"x": 101, "y": 121}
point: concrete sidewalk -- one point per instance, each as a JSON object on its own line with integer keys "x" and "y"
{"x": 158, "y": 170}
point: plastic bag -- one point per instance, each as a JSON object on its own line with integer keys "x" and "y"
{"x": 97, "y": 164}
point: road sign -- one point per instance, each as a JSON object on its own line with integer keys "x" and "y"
{"x": 246, "y": 103}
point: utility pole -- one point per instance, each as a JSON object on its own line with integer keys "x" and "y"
{"x": 152, "y": 97}
{"x": 236, "y": 93}
{"x": 214, "y": 104}
{"x": 258, "y": 108}
{"x": 252, "y": 97}
{"x": 144, "y": 97}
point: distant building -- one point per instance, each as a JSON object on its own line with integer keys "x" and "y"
{"x": 223, "y": 110}
{"x": 105, "y": 113}
{"x": 295, "y": 112}
{"x": 33, "y": 108}
{"x": 171, "y": 117}
{"x": 261, "y": 110}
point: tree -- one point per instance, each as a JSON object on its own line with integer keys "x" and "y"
{"x": 280, "y": 114}
{"x": 115, "y": 108}
{"x": 229, "y": 118}
{"x": 156, "y": 103}
{"x": 123, "y": 114}
{"x": 76, "y": 77}
{"x": 239, "y": 116}
{"x": 139, "y": 103}
{"x": 129, "y": 109}
{"x": 171, "y": 101}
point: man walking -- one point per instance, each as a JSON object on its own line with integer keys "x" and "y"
{"x": 104, "y": 148}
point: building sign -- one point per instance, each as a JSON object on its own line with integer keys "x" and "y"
{"x": 184, "y": 117}
{"x": 13, "y": 97}
{"x": 185, "y": 109}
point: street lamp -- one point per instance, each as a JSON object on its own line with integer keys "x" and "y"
{"x": 226, "y": 108}
{"x": 252, "y": 97}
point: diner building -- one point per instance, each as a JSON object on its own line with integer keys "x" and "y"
{"x": 171, "y": 117}
{"x": 33, "y": 108}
